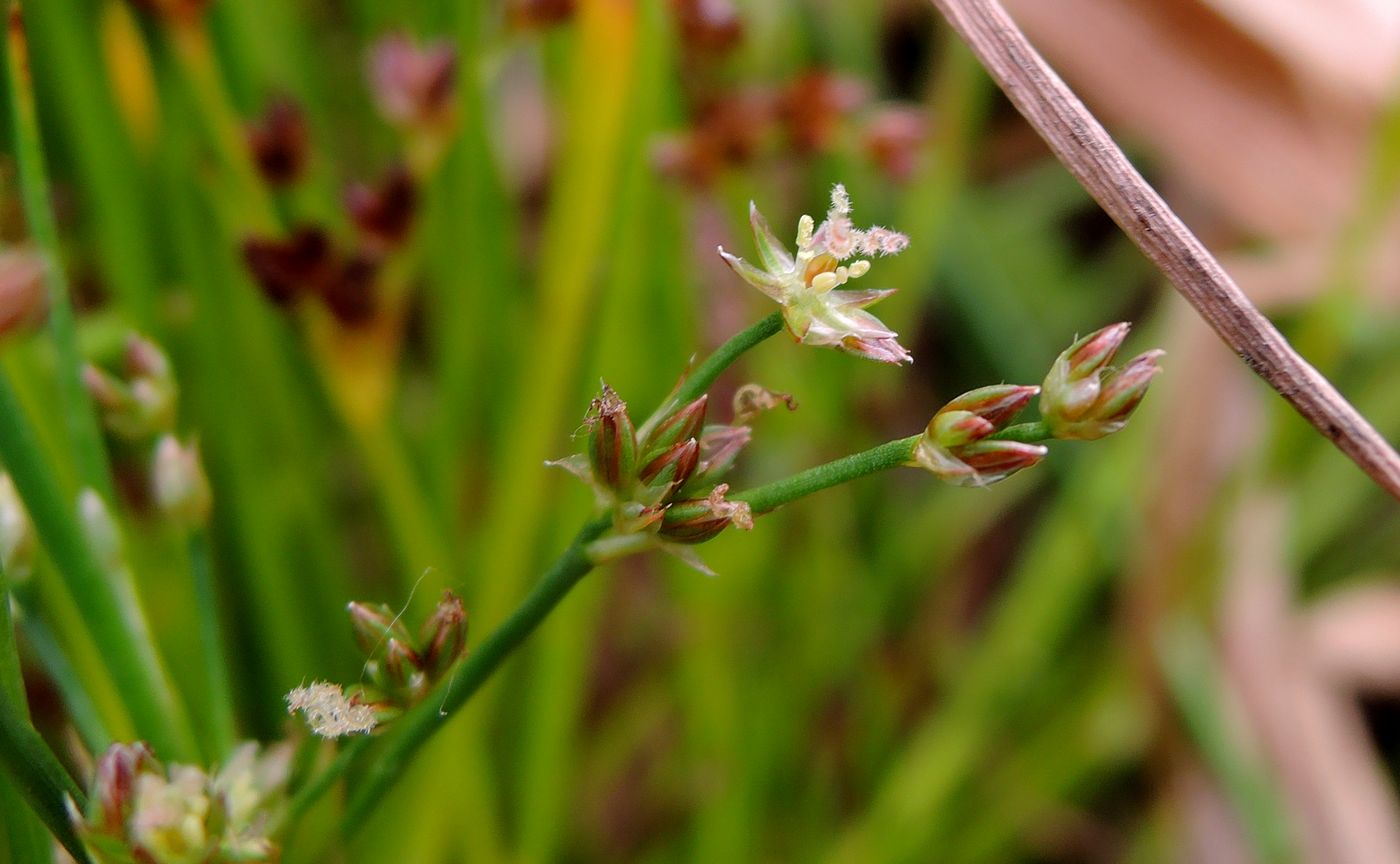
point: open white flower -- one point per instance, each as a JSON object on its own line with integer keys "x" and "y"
{"x": 805, "y": 285}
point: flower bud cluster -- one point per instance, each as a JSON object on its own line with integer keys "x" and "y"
{"x": 805, "y": 284}
{"x": 957, "y": 446}
{"x": 968, "y": 442}
{"x": 1085, "y": 398}
{"x": 141, "y": 405}
{"x": 662, "y": 482}
{"x": 400, "y": 669}
{"x": 140, "y": 810}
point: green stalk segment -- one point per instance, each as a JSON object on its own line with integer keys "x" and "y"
{"x": 85, "y": 437}
{"x": 107, "y": 600}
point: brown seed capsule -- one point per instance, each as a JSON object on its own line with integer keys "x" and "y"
{"x": 278, "y": 142}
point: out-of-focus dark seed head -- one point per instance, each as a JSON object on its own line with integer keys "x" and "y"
{"x": 174, "y": 10}
{"x": 444, "y": 636}
{"x": 384, "y": 212}
{"x": 279, "y": 142}
{"x": 894, "y": 139}
{"x": 414, "y": 84}
{"x": 708, "y": 27}
{"x": 287, "y": 269}
{"x": 538, "y": 14}
{"x": 612, "y": 441}
{"x": 351, "y": 294}
{"x": 727, "y": 131}
{"x": 812, "y": 107}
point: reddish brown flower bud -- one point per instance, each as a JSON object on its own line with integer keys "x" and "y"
{"x": 278, "y": 141}
{"x": 612, "y": 441}
{"x": 114, "y": 786}
{"x": 702, "y": 519}
{"x": 673, "y": 465}
{"x": 1084, "y": 397}
{"x": 685, "y": 422}
{"x": 373, "y": 624}
{"x": 955, "y": 446}
{"x": 444, "y": 636}
{"x": 384, "y": 213}
{"x": 402, "y": 667}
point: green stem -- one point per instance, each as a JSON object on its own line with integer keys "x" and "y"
{"x": 78, "y": 704}
{"x": 416, "y": 727}
{"x": 319, "y": 784}
{"x": 891, "y": 454}
{"x": 1026, "y": 433}
{"x": 219, "y": 719}
{"x": 107, "y": 600}
{"x": 34, "y": 769}
{"x": 702, "y": 376}
{"x": 85, "y": 438}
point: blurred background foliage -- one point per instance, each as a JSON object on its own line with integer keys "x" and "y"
{"x": 1181, "y": 645}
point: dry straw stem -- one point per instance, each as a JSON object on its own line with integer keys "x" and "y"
{"x": 1082, "y": 144}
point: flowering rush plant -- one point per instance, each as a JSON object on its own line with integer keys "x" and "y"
{"x": 660, "y": 482}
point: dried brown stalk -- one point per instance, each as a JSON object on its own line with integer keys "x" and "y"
{"x": 1085, "y": 148}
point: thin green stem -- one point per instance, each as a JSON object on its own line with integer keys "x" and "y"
{"x": 85, "y": 437}
{"x": 704, "y": 375}
{"x": 107, "y": 600}
{"x": 1026, "y": 433}
{"x": 78, "y": 704}
{"x": 219, "y": 723}
{"x": 36, "y": 772}
{"x": 891, "y": 454}
{"x": 321, "y": 783}
{"x": 416, "y": 727}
